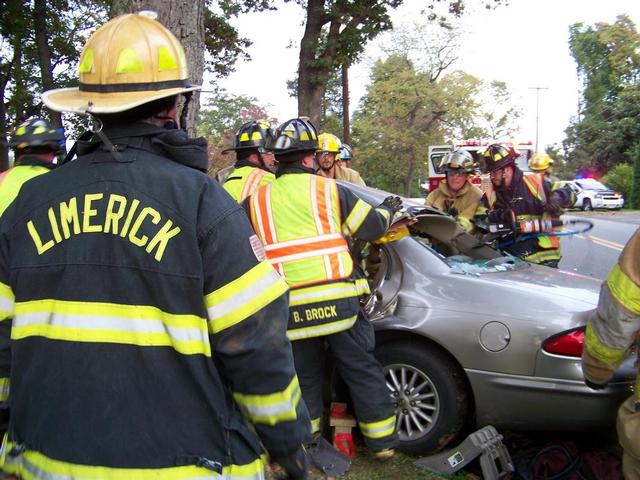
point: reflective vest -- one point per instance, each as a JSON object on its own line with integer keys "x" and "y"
{"x": 298, "y": 219}
{"x": 245, "y": 181}
{"x": 11, "y": 181}
{"x": 535, "y": 183}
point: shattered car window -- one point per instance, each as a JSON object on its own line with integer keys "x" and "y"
{"x": 465, "y": 265}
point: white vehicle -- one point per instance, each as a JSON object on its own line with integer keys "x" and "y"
{"x": 591, "y": 194}
{"x": 475, "y": 148}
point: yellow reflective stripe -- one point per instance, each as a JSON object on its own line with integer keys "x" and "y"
{"x": 7, "y": 300}
{"x": 598, "y": 350}
{"x": 86, "y": 65}
{"x": 362, "y": 286}
{"x": 244, "y": 296}
{"x": 380, "y": 429}
{"x": 111, "y": 323}
{"x": 315, "y": 425}
{"x": 323, "y": 293}
{"x": 544, "y": 256}
{"x": 357, "y": 215}
{"x": 321, "y": 330}
{"x": 4, "y": 389}
{"x": 625, "y": 291}
{"x": 34, "y": 465}
{"x": 129, "y": 61}
{"x": 384, "y": 212}
{"x": 166, "y": 60}
{"x": 271, "y": 408}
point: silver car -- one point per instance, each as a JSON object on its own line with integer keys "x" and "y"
{"x": 467, "y": 335}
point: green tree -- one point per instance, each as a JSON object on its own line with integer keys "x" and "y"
{"x": 620, "y": 178}
{"x": 608, "y": 63}
{"x": 403, "y": 112}
{"x": 336, "y": 33}
{"x": 221, "y": 118}
{"x": 635, "y": 191}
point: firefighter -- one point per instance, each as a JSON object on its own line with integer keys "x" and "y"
{"x": 254, "y": 162}
{"x": 36, "y": 144}
{"x": 345, "y": 156}
{"x": 327, "y": 157}
{"x": 516, "y": 197}
{"x": 542, "y": 163}
{"x": 148, "y": 329}
{"x": 611, "y": 330}
{"x": 456, "y": 195}
{"x": 305, "y": 222}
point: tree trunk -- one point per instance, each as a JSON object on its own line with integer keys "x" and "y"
{"x": 408, "y": 179}
{"x": 311, "y": 84}
{"x": 185, "y": 19}
{"x": 44, "y": 54}
{"x": 346, "y": 127}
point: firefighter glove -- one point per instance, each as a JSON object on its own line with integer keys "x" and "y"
{"x": 392, "y": 203}
{"x": 296, "y": 464}
{"x": 554, "y": 206}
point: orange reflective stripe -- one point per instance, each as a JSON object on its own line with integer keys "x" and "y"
{"x": 252, "y": 182}
{"x": 535, "y": 186}
{"x": 264, "y": 216}
{"x": 303, "y": 245}
{"x": 322, "y": 204}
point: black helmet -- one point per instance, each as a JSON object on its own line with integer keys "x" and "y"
{"x": 254, "y": 134}
{"x": 36, "y": 133}
{"x": 498, "y": 156}
{"x": 295, "y": 135}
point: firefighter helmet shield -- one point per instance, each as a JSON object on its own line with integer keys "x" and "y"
{"x": 129, "y": 61}
{"x": 252, "y": 135}
{"x": 540, "y": 162}
{"x": 498, "y": 156}
{"x": 36, "y": 133}
{"x": 295, "y": 135}
{"x": 458, "y": 160}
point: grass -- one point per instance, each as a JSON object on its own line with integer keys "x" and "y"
{"x": 366, "y": 467}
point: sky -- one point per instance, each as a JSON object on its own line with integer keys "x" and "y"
{"x": 524, "y": 44}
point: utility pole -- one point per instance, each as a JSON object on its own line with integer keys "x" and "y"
{"x": 537, "y": 89}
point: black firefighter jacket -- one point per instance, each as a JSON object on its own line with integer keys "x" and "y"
{"x": 147, "y": 326}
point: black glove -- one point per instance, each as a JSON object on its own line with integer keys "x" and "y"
{"x": 594, "y": 386}
{"x": 501, "y": 216}
{"x": 453, "y": 212}
{"x": 296, "y": 464}
{"x": 554, "y": 206}
{"x": 392, "y": 203}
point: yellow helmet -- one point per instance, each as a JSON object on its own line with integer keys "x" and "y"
{"x": 540, "y": 162}
{"x": 129, "y": 61}
{"x": 328, "y": 142}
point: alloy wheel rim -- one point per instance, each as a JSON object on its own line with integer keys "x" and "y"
{"x": 415, "y": 399}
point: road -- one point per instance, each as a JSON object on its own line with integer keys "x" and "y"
{"x": 595, "y": 252}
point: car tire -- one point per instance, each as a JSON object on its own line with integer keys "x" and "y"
{"x": 586, "y": 205}
{"x": 434, "y": 388}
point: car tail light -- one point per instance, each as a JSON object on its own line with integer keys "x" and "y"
{"x": 567, "y": 343}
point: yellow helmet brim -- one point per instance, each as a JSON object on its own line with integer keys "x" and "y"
{"x": 73, "y": 100}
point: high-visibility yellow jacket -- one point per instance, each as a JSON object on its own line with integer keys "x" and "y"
{"x": 304, "y": 221}
{"x": 245, "y": 180}
{"x": 614, "y": 325}
{"x": 148, "y": 328}
{"x": 11, "y": 180}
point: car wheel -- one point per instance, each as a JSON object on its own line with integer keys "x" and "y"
{"x": 586, "y": 205}
{"x": 429, "y": 393}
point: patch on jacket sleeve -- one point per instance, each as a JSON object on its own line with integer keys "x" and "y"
{"x": 258, "y": 249}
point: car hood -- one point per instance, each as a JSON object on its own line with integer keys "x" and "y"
{"x": 531, "y": 292}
